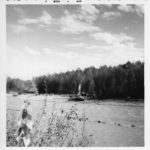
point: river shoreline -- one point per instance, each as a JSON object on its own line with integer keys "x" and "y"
{"x": 107, "y": 123}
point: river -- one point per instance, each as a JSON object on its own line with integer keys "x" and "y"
{"x": 108, "y": 123}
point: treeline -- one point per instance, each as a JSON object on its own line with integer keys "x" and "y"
{"x": 20, "y": 86}
{"x": 122, "y": 81}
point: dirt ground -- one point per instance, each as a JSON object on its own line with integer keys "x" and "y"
{"x": 105, "y": 123}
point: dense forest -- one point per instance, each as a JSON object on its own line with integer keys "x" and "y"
{"x": 122, "y": 81}
{"x": 20, "y": 86}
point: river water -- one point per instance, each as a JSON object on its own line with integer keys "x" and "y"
{"x": 108, "y": 123}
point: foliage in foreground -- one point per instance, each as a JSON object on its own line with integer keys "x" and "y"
{"x": 57, "y": 129}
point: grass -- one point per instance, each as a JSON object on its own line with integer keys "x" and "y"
{"x": 11, "y": 129}
{"x": 57, "y": 129}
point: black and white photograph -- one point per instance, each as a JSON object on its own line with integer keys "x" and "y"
{"x": 75, "y": 75}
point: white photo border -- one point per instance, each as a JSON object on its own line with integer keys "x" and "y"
{"x": 3, "y": 4}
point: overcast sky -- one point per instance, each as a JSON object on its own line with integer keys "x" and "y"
{"x": 52, "y": 39}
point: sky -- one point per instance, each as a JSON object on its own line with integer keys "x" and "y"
{"x": 47, "y": 39}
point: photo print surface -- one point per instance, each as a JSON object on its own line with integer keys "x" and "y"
{"x": 75, "y": 75}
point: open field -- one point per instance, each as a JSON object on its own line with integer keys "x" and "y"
{"x": 95, "y": 124}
